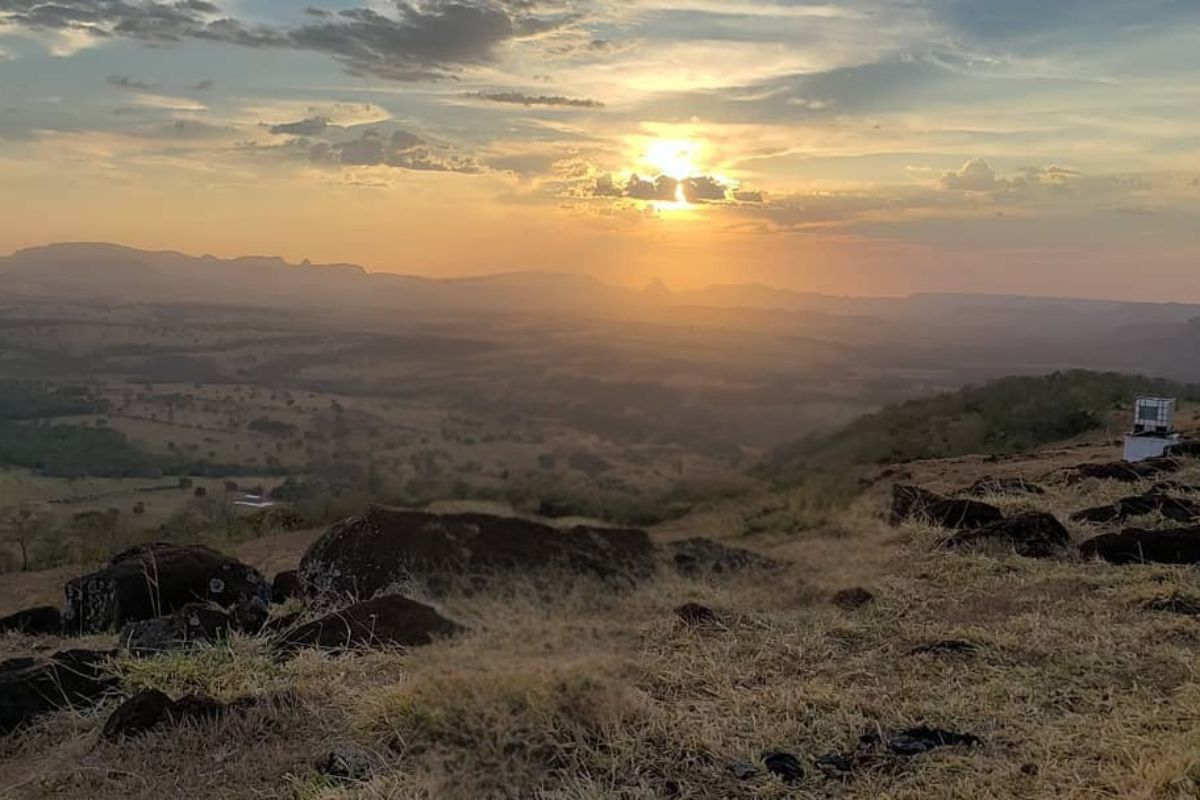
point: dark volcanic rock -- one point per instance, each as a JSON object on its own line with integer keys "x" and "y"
{"x": 850, "y": 599}
{"x": 1125, "y": 471}
{"x": 360, "y": 556}
{"x": 285, "y": 586}
{"x": 150, "y": 708}
{"x": 349, "y": 763}
{"x": 785, "y": 765}
{"x": 1175, "y": 604}
{"x": 194, "y": 623}
{"x": 40, "y": 621}
{"x": 152, "y": 580}
{"x": 696, "y": 614}
{"x": 29, "y": 688}
{"x": 1178, "y": 509}
{"x": 922, "y": 739}
{"x": 1136, "y": 546}
{"x": 915, "y": 503}
{"x": 698, "y": 556}
{"x": 1033, "y": 534}
{"x": 385, "y": 620}
{"x": 1010, "y": 486}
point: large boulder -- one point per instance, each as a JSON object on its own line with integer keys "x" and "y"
{"x": 286, "y": 585}
{"x": 40, "y": 621}
{"x": 157, "y": 579}
{"x": 1034, "y": 534}
{"x": 30, "y": 687}
{"x": 361, "y": 556}
{"x": 912, "y": 503}
{"x": 1178, "y": 509}
{"x": 1137, "y": 546}
{"x": 389, "y": 620}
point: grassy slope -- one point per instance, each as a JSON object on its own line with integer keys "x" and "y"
{"x": 582, "y": 693}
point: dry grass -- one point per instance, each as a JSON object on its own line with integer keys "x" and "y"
{"x": 568, "y": 690}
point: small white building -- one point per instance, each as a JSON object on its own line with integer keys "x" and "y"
{"x": 1153, "y": 428}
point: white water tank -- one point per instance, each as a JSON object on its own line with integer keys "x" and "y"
{"x": 1153, "y": 428}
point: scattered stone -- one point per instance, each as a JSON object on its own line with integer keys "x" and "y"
{"x": 699, "y": 556}
{"x": 1175, "y": 604}
{"x": 349, "y": 763}
{"x": 1124, "y": 471}
{"x": 1137, "y": 546}
{"x": 150, "y": 708}
{"x": 785, "y": 765}
{"x": 946, "y": 647}
{"x": 696, "y": 614}
{"x": 850, "y": 599}
{"x": 835, "y": 765}
{"x": 1033, "y": 534}
{"x": 386, "y": 620}
{"x": 285, "y": 586}
{"x": 156, "y": 579}
{"x": 30, "y": 688}
{"x": 194, "y": 623}
{"x": 361, "y": 556}
{"x": 743, "y": 770}
{"x": 40, "y": 621}
{"x": 922, "y": 739}
{"x": 914, "y": 503}
{"x": 989, "y": 485}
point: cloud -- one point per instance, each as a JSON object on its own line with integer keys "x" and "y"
{"x": 204, "y": 85}
{"x": 974, "y": 176}
{"x": 400, "y": 150}
{"x": 431, "y": 39}
{"x": 128, "y": 82}
{"x": 520, "y": 98}
{"x": 312, "y": 126}
{"x": 699, "y": 189}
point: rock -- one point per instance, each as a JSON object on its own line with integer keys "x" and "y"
{"x": 1125, "y": 471}
{"x": 785, "y": 765}
{"x": 349, "y": 763}
{"x": 922, "y": 739}
{"x": 30, "y": 688}
{"x": 40, "y": 621}
{"x": 361, "y": 556}
{"x": 1174, "y": 508}
{"x": 850, "y": 599}
{"x": 946, "y": 647}
{"x": 1175, "y": 604}
{"x": 835, "y": 765}
{"x": 153, "y": 580}
{"x": 989, "y": 485}
{"x": 914, "y": 503}
{"x": 743, "y": 770}
{"x": 699, "y": 556}
{"x": 1033, "y": 534}
{"x": 1189, "y": 448}
{"x": 696, "y": 614}
{"x": 137, "y": 715}
{"x": 150, "y": 708}
{"x": 194, "y": 623}
{"x": 280, "y": 624}
{"x": 1137, "y": 546}
{"x": 285, "y": 586}
{"x": 387, "y": 620}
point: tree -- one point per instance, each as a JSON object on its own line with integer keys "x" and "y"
{"x": 24, "y": 527}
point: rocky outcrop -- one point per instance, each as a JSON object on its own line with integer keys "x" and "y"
{"x": 1124, "y": 471}
{"x": 912, "y": 503}
{"x": 150, "y": 709}
{"x": 699, "y": 556}
{"x": 40, "y": 621}
{"x": 1034, "y": 534}
{"x": 1178, "y": 509}
{"x": 364, "y": 555}
{"x": 157, "y": 579}
{"x": 31, "y": 687}
{"x": 989, "y": 485}
{"x": 1137, "y": 546}
{"x": 389, "y": 620}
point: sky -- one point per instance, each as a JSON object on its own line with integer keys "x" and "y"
{"x": 856, "y": 147}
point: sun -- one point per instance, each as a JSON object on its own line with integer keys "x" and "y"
{"x": 675, "y": 158}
